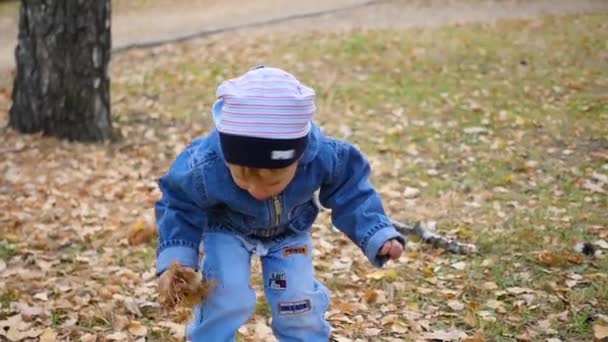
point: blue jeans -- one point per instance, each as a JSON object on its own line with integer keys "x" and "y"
{"x": 297, "y": 300}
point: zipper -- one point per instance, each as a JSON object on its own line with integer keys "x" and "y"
{"x": 278, "y": 210}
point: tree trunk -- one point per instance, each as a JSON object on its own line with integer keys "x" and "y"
{"x": 62, "y": 86}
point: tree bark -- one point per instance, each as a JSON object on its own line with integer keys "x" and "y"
{"x": 62, "y": 86}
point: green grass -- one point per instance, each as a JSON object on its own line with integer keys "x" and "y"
{"x": 7, "y": 250}
{"x": 58, "y": 316}
{"x": 7, "y": 297}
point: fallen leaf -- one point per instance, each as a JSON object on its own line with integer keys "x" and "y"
{"x": 600, "y": 331}
{"x": 137, "y": 329}
{"x": 262, "y": 331}
{"x": 475, "y": 338}
{"x": 456, "y": 305}
{"x": 411, "y": 192}
{"x": 140, "y": 233}
{"x": 88, "y": 338}
{"x": 48, "y": 335}
{"x": 470, "y": 319}
{"x": 600, "y": 243}
{"x": 388, "y": 274}
{"x": 475, "y": 130}
{"x": 117, "y": 336}
{"x": 593, "y": 187}
{"x": 177, "y": 330}
{"x": 460, "y": 265}
{"x": 43, "y": 296}
{"x": 400, "y": 328}
{"x": 550, "y": 259}
{"x": 370, "y": 295}
{"x": 372, "y": 331}
{"x": 519, "y": 290}
{"x": 446, "y": 335}
{"x": 490, "y": 286}
{"x": 29, "y": 312}
{"x": 189, "y": 288}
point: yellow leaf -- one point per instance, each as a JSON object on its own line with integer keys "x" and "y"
{"x": 388, "y": 274}
{"x": 139, "y": 225}
{"x": 140, "y": 233}
{"x": 600, "y": 331}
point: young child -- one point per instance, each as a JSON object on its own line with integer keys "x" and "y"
{"x": 248, "y": 189}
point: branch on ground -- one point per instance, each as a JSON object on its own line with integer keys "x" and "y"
{"x": 429, "y": 236}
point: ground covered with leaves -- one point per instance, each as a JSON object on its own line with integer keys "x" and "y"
{"x": 499, "y": 133}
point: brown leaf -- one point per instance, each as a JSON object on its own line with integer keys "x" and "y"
{"x": 345, "y": 307}
{"x": 600, "y": 331}
{"x": 474, "y": 338}
{"x": 140, "y": 233}
{"x": 470, "y": 319}
{"x": 137, "y": 329}
{"x": 370, "y": 295}
{"x": 550, "y": 259}
{"x": 186, "y": 288}
{"x": 49, "y": 335}
{"x": 120, "y": 322}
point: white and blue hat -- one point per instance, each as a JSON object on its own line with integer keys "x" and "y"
{"x": 264, "y": 118}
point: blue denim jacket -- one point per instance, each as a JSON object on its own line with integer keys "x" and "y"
{"x": 198, "y": 194}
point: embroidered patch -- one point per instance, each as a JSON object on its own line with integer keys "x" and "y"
{"x": 277, "y": 281}
{"x": 294, "y": 308}
{"x": 287, "y": 251}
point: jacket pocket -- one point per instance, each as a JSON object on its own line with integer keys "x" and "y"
{"x": 303, "y": 216}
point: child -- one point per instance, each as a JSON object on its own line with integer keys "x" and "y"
{"x": 248, "y": 189}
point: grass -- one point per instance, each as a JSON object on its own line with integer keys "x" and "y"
{"x": 7, "y": 250}
{"x": 7, "y": 297}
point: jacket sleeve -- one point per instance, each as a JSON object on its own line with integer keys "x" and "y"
{"x": 180, "y": 215}
{"x": 356, "y": 206}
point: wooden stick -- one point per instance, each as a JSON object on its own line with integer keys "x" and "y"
{"x": 427, "y": 235}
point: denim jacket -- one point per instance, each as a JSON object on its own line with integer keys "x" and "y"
{"x": 199, "y": 195}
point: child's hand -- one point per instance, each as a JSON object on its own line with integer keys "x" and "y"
{"x": 181, "y": 286}
{"x": 391, "y": 249}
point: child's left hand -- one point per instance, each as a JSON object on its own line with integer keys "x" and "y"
{"x": 391, "y": 249}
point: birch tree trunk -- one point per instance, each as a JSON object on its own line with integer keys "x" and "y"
{"x": 62, "y": 86}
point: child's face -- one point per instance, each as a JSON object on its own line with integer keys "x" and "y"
{"x": 262, "y": 184}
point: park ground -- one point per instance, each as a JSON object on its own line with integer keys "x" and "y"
{"x": 497, "y": 131}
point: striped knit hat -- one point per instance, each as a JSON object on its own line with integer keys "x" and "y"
{"x": 263, "y": 118}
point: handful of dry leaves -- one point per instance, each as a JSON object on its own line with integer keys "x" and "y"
{"x": 182, "y": 287}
